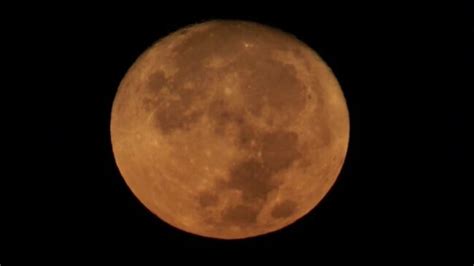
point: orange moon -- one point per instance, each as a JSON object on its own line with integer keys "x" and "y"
{"x": 229, "y": 129}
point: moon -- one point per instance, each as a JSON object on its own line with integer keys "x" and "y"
{"x": 229, "y": 129}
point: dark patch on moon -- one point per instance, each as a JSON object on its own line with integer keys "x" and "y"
{"x": 252, "y": 178}
{"x": 172, "y": 110}
{"x": 279, "y": 150}
{"x": 156, "y": 81}
{"x": 247, "y": 134}
{"x": 272, "y": 83}
{"x": 240, "y": 215}
{"x": 284, "y": 209}
{"x": 207, "y": 199}
{"x": 170, "y": 113}
{"x": 221, "y": 116}
{"x": 175, "y": 117}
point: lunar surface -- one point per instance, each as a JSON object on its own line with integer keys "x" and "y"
{"x": 229, "y": 129}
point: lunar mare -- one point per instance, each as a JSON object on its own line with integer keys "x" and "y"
{"x": 229, "y": 129}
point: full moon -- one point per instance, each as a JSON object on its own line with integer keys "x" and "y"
{"x": 229, "y": 129}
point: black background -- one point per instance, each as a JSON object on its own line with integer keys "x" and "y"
{"x": 404, "y": 72}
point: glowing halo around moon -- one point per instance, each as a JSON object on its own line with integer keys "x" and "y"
{"x": 229, "y": 129}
